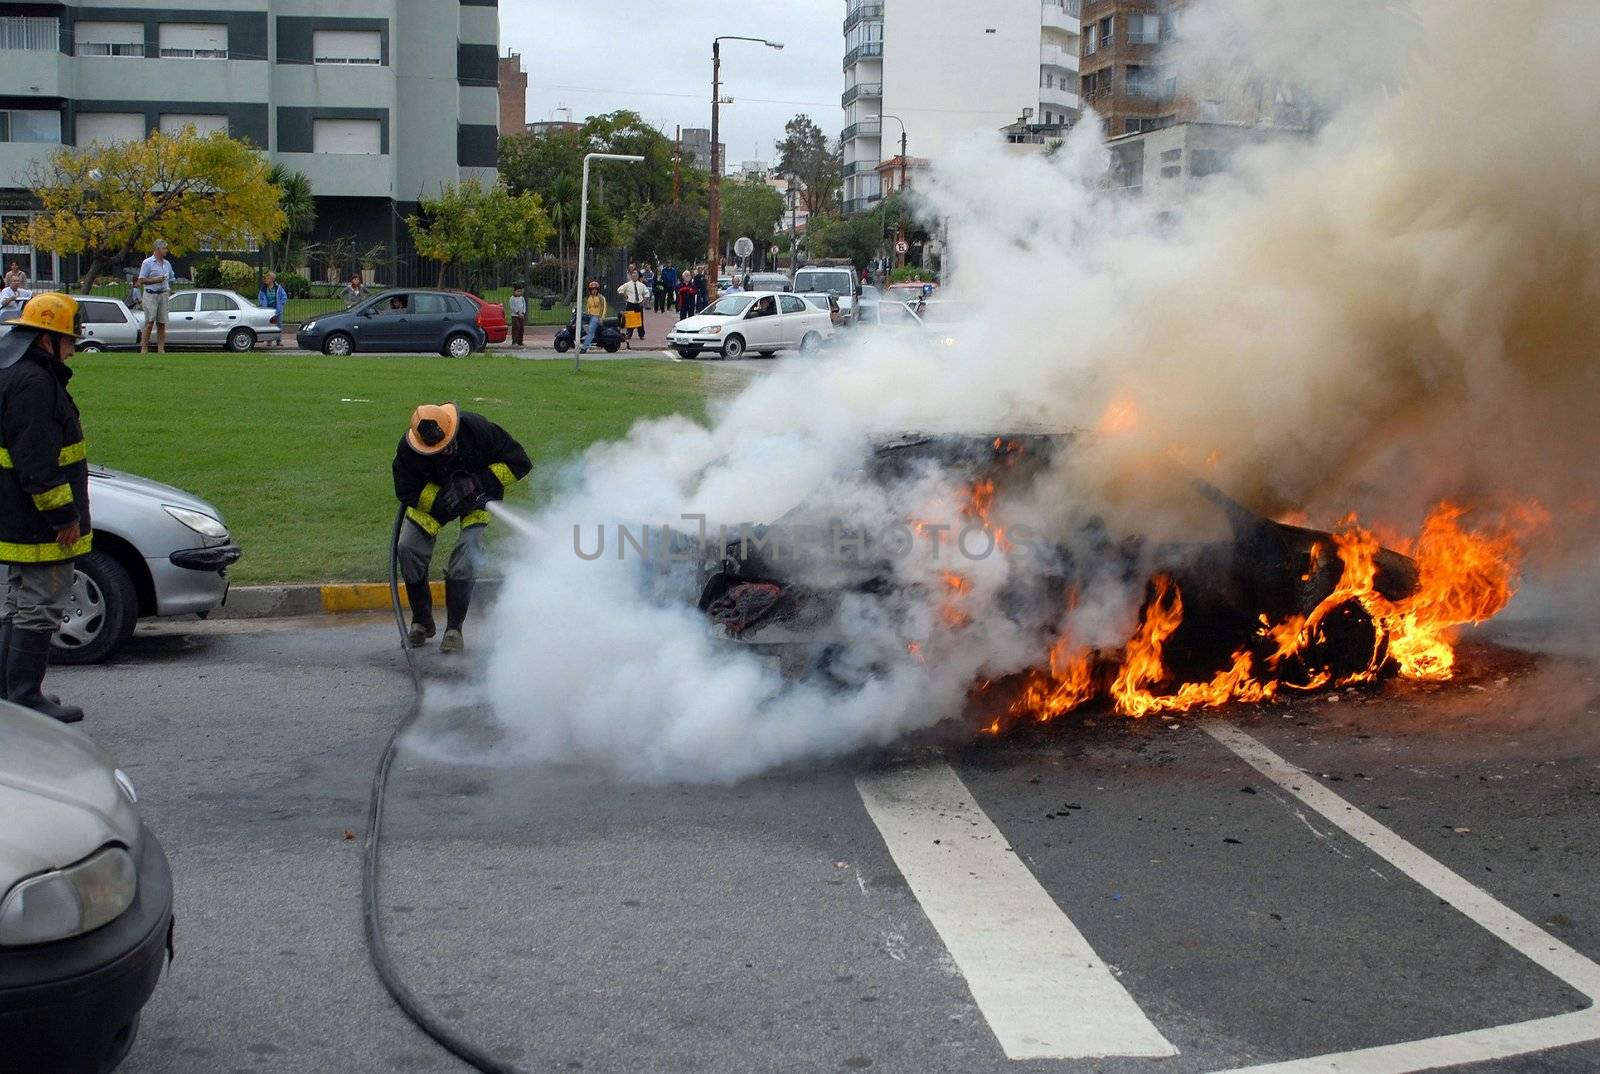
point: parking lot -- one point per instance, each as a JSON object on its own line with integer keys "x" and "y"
{"x": 1392, "y": 881}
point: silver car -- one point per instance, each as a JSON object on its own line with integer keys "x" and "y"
{"x": 85, "y": 901}
{"x": 158, "y": 551}
{"x": 108, "y": 324}
{"x": 217, "y": 319}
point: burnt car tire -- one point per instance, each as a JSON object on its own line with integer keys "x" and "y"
{"x": 101, "y": 617}
{"x": 733, "y": 347}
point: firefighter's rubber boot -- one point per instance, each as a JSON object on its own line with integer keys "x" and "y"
{"x": 27, "y": 655}
{"x": 420, "y": 596}
{"x": 457, "y": 599}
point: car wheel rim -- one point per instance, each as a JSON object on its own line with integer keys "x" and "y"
{"x": 460, "y": 348}
{"x": 241, "y": 342}
{"x": 338, "y": 346}
{"x": 86, "y": 614}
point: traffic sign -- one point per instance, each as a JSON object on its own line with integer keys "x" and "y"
{"x": 744, "y": 247}
{"x": 902, "y": 247}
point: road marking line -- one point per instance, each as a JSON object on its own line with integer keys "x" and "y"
{"x": 1529, "y": 940}
{"x": 1040, "y": 986}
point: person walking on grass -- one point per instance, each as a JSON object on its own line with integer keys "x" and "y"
{"x": 634, "y": 295}
{"x": 273, "y": 297}
{"x": 517, "y": 311}
{"x": 155, "y": 277}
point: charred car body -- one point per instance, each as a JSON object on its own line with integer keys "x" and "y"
{"x": 1236, "y": 570}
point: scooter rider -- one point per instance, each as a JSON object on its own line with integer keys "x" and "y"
{"x": 44, "y": 495}
{"x": 448, "y": 466}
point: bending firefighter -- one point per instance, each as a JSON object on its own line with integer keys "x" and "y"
{"x": 44, "y": 495}
{"x": 449, "y": 466}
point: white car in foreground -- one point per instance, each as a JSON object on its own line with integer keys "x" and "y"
{"x": 765, "y": 322}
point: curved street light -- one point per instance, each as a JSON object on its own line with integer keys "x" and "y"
{"x": 714, "y": 257}
{"x": 583, "y": 233}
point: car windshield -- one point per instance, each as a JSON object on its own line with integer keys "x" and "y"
{"x": 728, "y": 306}
{"x": 833, "y": 282}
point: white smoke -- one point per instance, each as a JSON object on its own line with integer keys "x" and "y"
{"x": 1403, "y": 307}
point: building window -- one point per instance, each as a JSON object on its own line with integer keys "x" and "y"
{"x": 30, "y": 33}
{"x": 109, "y": 128}
{"x": 1142, "y": 81}
{"x": 1144, "y": 29}
{"x": 30, "y": 125}
{"x": 359, "y": 137}
{"x": 173, "y": 123}
{"x": 1108, "y": 31}
{"x": 1204, "y": 162}
{"x": 109, "y": 39}
{"x": 347, "y": 46}
{"x": 1091, "y": 38}
{"x": 194, "y": 41}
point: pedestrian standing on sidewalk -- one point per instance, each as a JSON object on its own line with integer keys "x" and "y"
{"x": 634, "y": 295}
{"x": 701, "y": 293}
{"x": 669, "y": 277}
{"x": 686, "y": 297}
{"x": 647, "y": 276}
{"x": 354, "y": 291}
{"x": 273, "y": 297}
{"x": 517, "y": 311}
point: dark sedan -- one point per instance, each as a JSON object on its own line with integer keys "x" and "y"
{"x": 399, "y": 320}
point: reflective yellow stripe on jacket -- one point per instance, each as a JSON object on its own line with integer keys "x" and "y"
{"x": 70, "y": 454}
{"x": 50, "y": 552}
{"x": 476, "y": 518}
{"x": 503, "y": 472}
{"x": 419, "y": 514}
{"x": 50, "y": 499}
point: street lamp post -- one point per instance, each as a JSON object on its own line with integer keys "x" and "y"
{"x": 901, "y": 190}
{"x": 583, "y": 238}
{"x": 715, "y": 192}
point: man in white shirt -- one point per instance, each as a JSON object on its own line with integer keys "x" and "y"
{"x": 634, "y": 295}
{"x": 155, "y": 280}
{"x": 12, "y": 298}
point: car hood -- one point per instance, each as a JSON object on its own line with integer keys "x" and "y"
{"x": 58, "y": 795}
{"x": 134, "y": 485}
{"x": 699, "y": 324}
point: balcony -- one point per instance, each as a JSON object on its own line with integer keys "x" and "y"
{"x": 1059, "y": 96}
{"x": 1058, "y": 57}
{"x": 30, "y": 33}
{"x": 858, "y": 13}
{"x": 1062, "y": 14}
{"x": 865, "y": 51}
{"x": 859, "y": 90}
{"x": 867, "y": 128}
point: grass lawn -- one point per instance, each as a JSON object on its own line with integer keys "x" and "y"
{"x": 296, "y": 449}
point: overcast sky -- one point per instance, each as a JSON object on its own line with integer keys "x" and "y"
{"x": 655, "y": 58}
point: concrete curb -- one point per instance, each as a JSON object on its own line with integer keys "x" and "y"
{"x": 339, "y": 598}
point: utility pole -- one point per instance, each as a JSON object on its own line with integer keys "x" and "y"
{"x": 677, "y": 163}
{"x": 900, "y": 225}
{"x": 714, "y": 254}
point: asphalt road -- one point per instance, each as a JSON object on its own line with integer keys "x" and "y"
{"x": 1099, "y": 887}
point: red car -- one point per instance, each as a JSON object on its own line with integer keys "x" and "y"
{"x": 491, "y": 318}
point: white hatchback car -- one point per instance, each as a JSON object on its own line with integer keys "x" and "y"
{"x": 765, "y": 322}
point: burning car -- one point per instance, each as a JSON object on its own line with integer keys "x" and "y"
{"x": 1231, "y": 605}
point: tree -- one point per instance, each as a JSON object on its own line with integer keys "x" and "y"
{"x": 860, "y": 238}
{"x": 672, "y": 233}
{"x": 467, "y": 222}
{"x": 535, "y": 163}
{"x": 806, "y": 154}
{"x": 750, "y": 208}
{"x": 106, "y": 202}
{"x": 299, "y": 210}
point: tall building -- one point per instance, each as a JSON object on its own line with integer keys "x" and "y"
{"x": 379, "y": 102}
{"x": 697, "y": 144}
{"x": 946, "y": 70}
{"x": 1122, "y": 76}
{"x": 513, "y": 82}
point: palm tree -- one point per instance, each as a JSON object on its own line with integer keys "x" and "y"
{"x": 299, "y": 209}
{"x": 562, "y": 204}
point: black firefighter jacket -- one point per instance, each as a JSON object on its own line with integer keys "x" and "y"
{"x": 44, "y": 472}
{"x": 482, "y": 451}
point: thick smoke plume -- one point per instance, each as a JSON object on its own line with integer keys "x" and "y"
{"x": 1401, "y": 306}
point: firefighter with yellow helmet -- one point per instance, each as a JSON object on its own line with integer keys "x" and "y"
{"x": 447, "y": 467}
{"x": 44, "y": 495}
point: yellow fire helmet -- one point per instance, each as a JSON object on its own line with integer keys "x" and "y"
{"x": 50, "y": 312}
{"x": 433, "y": 427}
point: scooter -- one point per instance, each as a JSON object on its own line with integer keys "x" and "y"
{"x": 609, "y": 337}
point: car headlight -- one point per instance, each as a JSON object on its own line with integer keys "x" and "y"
{"x": 309, "y": 326}
{"x": 714, "y": 330}
{"x": 204, "y": 525}
{"x": 69, "y": 902}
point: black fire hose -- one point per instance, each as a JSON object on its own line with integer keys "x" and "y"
{"x": 425, "y": 1019}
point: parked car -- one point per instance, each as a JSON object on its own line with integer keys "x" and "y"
{"x": 840, "y": 281}
{"x": 85, "y": 901}
{"x": 158, "y": 551}
{"x": 108, "y": 324}
{"x": 491, "y": 318}
{"x": 213, "y": 319}
{"x": 824, "y": 301}
{"x": 399, "y": 320}
{"x": 762, "y": 321}
{"x": 770, "y": 281}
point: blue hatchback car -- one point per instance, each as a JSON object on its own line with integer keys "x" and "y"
{"x": 441, "y": 322}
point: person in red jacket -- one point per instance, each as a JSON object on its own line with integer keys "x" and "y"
{"x": 687, "y": 296}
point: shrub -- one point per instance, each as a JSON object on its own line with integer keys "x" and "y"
{"x": 208, "y": 273}
{"x": 912, "y": 272}
{"x": 238, "y": 276}
{"x": 294, "y": 283}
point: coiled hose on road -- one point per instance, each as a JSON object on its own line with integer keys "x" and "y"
{"x": 377, "y": 948}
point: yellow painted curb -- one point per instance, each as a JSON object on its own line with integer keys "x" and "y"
{"x": 367, "y": 597}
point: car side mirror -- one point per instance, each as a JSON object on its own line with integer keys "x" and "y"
{"x": 369, "y": 312}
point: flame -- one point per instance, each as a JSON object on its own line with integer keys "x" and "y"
{"x": 1463, "y": 577}
{"x": 1121, "y": 415}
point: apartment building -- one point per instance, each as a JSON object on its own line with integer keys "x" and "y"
{"x": 1121, "y": 73}
{"x": 696, "y": 143}
{"x": 379, "y": 102}
{"x": 513, "y": 94}
{"x": 945, "y": 70}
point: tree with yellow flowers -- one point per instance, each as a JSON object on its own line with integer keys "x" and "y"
{"x": 108, "y": 202}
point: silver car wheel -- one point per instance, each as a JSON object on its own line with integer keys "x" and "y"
{"x": 459, "y": 347}
{"x": 86, "y": 614}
